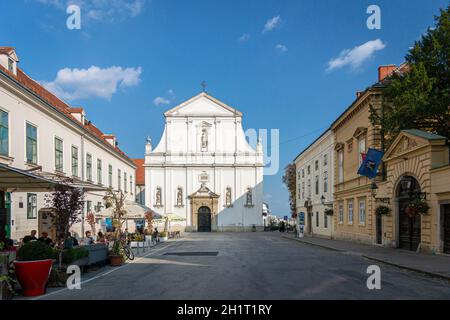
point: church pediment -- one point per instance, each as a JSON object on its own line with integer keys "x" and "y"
{"x": 410, "y": 140}
{"x": 203, "y": 192}
{"x": 203, "y": 105}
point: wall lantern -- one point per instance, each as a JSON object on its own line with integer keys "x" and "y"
{"x": 374, "y": 189}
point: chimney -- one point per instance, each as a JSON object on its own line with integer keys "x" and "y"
{"x": 110, "y": 138}
{"x": 358, "y": 94}
{"x": 385, "y": 71}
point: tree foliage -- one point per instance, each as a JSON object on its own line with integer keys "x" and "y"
{"x": 289, "y": 179}
{"x": 67, "y": 204}
{"x": 419, "y": 98}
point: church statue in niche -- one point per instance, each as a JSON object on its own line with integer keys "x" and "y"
{"x": 158, "y": 202}
{"x": 179, "y": 197}
{"x": 228, "y": 198}
{"x": 249, "y": 198}
{"x": 204, "y": 140}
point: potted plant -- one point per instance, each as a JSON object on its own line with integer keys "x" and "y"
{"x": 6, "y": 287}
{"x": 383, "y": 210}
{"x": 76, "y": 255}
{"x": 116, "y": 255}
{"x": 33, "y": 266}
{"x": 163, "y": 236}
{"x": 417, "y": 206}
{"x": 137, "y": 240}
{"x": 329, "y": 211}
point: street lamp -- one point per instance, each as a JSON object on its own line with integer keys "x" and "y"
{"x": 374, "y": 189}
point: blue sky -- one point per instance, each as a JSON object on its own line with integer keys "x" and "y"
{"x": 269, "y": 59}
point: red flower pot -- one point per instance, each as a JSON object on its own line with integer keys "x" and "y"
{"x": 33, "y": 276}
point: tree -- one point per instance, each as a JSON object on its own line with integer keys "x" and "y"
{"x": 116, "y": 200}
{"x": 419, "y": 98}
{"x": 67, "y": 204}
{"x": 289, "y": 179}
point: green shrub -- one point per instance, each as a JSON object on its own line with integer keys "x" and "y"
{"x": 163, "y": 234}
{"x": 383, "y": 210}
{"x": 74, "y": 254}
{"x": 35, "y": 250}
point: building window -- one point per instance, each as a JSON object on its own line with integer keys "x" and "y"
{"x": 88, "y": 206}
{"x": 125, "y": 182}
{"x": 10, "y": 65}
{"x": 341, "y": 212}
{"x": 98, "y": 207}
{"x": 74, "y": 161}
{"x": 89, "y": 167}
{"x": 131, "y": 184}
{"x": 99, "y": 171}
{"x": 317, "y": 185}
{"x": 303, "y": 172}
{"x": 362, "y": 212}
{"x": 325, "y": 181}
{"x": 309, "y": 188}
{"x": 4, "y": 133}
{"x": 317, "y": 219}
{"x": 299, "y": 174}
{"x": 31, "y": 144}
{"x": 309, "y": 169}
{"x": 341, "y": 166}
{"x": 303, "y": 190}
{"x": 110, "y": 174}
{"x": 31, "y": 206}
{"x": 59, "y": 158}
{"x": 361, "y": 149}
{"x": 350, "y": 212}
{"x": 119, "y": 179}
{"x": 158, "y": 197}
{"x": 325, "y": 220}
{"x": 316, "y": 165}
{"x": 325, "y": 160}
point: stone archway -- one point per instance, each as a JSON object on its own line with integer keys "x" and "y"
{"x": 408, "y": 226}
{"x": 204, "y": 208}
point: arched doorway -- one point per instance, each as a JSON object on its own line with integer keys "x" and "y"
{"x": 204, "y": 219}
{"x": 409, "y": 226}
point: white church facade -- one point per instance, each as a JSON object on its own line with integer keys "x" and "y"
{"x": 204, "y": 170}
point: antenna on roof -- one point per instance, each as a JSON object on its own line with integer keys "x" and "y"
{"x": 204, "y": 85}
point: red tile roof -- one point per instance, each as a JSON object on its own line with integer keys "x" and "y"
{"x": 140, "y": 172}
{"x": 6, "y": 50}
{"x": 53, "y": 100}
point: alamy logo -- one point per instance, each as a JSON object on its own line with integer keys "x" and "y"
{"x": 272, "y": 159}
{"x": 74, "y": 278}
{"x": 374, "y": 280}
{"x": 74, "y": 20}
{"x": 374, "y": 20}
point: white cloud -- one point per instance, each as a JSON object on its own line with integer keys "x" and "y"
{"x": 245, "y": 37}
{"x": 95, "y": 82}
{"x": 281, "y": 48}
{"x": 357, "y": 56}
{"x": 272, "y": 24}
{"x": 160, "y": 101}
{"x": 101, "y": 10}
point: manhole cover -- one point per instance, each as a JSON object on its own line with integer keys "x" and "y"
{"x": 195, "y": 254}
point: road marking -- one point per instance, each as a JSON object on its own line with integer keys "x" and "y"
{"x": 111, "y": 271}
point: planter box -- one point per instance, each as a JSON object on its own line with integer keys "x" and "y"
{"x": 98, "y": 253}
{"x": 137, "y": 244}
{"x": 163, "y": 239}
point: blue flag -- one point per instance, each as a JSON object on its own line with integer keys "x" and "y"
{"x": 369, "y": 166}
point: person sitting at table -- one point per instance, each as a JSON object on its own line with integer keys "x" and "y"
{"x": 44, "y": 238}
{"x": 88, "y": 240}
{"x": 31, "y": 237}
{"x": 100, "y": 237}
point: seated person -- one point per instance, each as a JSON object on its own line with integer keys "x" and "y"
{"x": 88, "y": 240}
{"x": 44, "y": 238}
{"x": 31, "y": 237}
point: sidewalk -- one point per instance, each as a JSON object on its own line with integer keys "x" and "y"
{"x": 429, "y": 264}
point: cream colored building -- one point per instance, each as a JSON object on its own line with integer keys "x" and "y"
{"x": 315, "y": 185}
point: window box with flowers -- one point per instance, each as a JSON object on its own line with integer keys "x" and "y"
{"x": 417, "y": 206}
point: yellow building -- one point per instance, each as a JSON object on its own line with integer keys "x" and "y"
{"x": 353, "y": 201}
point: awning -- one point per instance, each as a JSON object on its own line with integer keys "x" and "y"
{"x": 21, "y": 180}
{"x": 13, "y": 179}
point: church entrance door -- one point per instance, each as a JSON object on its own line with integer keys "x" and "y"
{"x": 204, "y": 219}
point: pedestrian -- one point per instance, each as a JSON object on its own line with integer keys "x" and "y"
{"x": 31, "y": 237}
{"x": 100, "y": 237}
{"x": 155, "y": 237}
{"x": 44, "y": 238}
{"x": 88, "y": 240}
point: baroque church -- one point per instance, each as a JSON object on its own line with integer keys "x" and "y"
{"x": 204, "y": 170}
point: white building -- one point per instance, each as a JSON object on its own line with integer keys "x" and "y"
{"x": 44, "y": 135}
{"x": 315, "y": 185}
{"x": 204, "y": 170}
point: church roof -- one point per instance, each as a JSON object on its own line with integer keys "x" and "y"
{"x": 205, "y": 96}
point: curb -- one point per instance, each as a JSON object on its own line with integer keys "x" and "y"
{"x": 423, "y": 272}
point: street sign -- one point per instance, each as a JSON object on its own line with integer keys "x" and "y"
{"x": 302, "y": 217}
